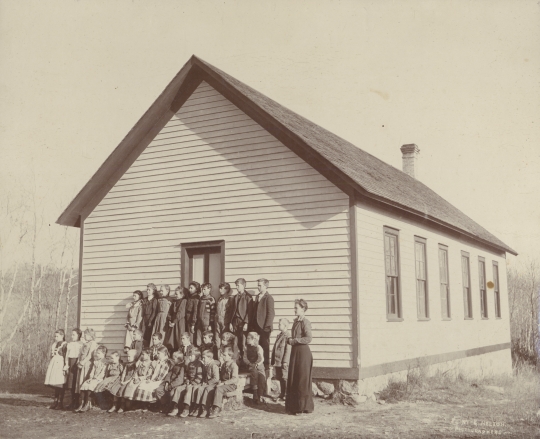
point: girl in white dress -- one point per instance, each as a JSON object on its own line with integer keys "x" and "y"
{"x": 55, "y": 376}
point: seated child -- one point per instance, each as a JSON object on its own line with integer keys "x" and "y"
{"x": 173, "y": 380}
{"x": 146, "y": 392}
{"x": 143, "y": 372}
{"x": 112, "y": 373}
{"x": 126, "y": 376}
{"x": 254, "y": 358}
{"x": 210, "y": 381}
{"x": 156, "y": 344}
{"x": 228, "y": 379}
{"x": 208, "y": 344}
{"x": 192, "y": 379}
{"x": 281, "y": 353}
{"x": 97, "y": 373}
{"x": 187, "y": 347}
{"x": 229, "y": 339}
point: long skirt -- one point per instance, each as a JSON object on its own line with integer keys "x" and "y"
{"x": 159, "y": 323}
{"x": 107, "y": 384}
{"x": 173, "y": 336}
{"x": 82, "y": 376}
{"x": 146, "y": 392}
{"x": 117, "y": 388}
{"x": 55, "y": 376}
{"x": 73, "y": 372}
{"x": 299, "y": 394}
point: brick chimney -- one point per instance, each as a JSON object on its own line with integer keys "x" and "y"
{"x": 410, "y": 159}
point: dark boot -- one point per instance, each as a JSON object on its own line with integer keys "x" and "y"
{"x": 54, "y": 404}
{"x": 60, "y": 405}
{"x": 202, "y": 412}
{"x": 194, "y": 410}
{"x": 256, "y": 397}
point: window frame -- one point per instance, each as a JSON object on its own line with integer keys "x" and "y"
{"x": 467, "y": 295}
{"x": 484, "y": 315}
{"x": 445, "y": 314}
{"x": 398, "y": 317}
{"x": 496, "y": 290}
{"x": 427, "y": 316}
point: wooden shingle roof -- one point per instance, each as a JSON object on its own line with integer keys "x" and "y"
{"x": 327, "y": 152}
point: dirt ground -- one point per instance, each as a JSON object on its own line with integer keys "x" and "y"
{"x": 440, "y": 413}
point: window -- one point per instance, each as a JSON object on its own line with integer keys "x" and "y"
{"x": 496, "y": 291}
{"x": 444, "y": 282}
{"x": 391, "y": 258}
{"x": 466, "y": 275}
{"x": 483, "y": 293}
{"x": 203, "y": 262}
{"x": 421, "y": 278}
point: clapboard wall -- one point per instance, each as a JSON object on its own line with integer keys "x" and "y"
{"x": 212, "y": 173}
{"x": 382, "y": 341}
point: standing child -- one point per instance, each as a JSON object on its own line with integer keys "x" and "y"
{"x": 238, "y": 314}
{"x": 206, "y": 314}
{"x": 280, "y": 357}
{"x": 73, "y": 350}
{"x": 192, "y": 309}
{"x": 210, "y": 381}
{"x": 85, "y": 357}
{"x": 134, "y": 318}
{"x": 113, "y": 374}
{"x": 149, "y": 305}
{"x": 143, "y": 372}
{"x": 208, "y": 344}
{"x": 173, "y": 380}
{"x": 156, "y": 344}
{"x": 228, "y": 379}
{"x": 118, "y": 387}
{"x": 55, "y": 376}
{"x": 176, "y": 321}
{"x": 146, "y": 392}
{"x": 221, "y": 311}
{"x": 97, "y": 374}
{"x": 162, "y": 310}
{"x": 193, "y": 378}
{"x": 254, "y": 358}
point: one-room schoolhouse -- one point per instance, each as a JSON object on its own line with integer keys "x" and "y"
{"x": 217, "y": 181}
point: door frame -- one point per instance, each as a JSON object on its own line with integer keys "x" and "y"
{"x": 184, "y": 258}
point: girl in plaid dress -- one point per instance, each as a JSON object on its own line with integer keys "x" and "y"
{"x": 143, "y": 372}
{"x": 118, "y": 387}
{"x": 97, "y": 373}
{"x": 112, "y": 373}
{"x": 146, "y": 392}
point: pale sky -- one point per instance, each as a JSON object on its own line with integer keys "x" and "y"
{"x": 458, "y": 78}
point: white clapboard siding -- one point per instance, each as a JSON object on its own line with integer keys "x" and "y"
{"x": 212, "y": 173}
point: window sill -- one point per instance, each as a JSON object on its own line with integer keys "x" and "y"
{"x": 394, "y": 319}
{"x": 485, "y": 318}
{"x": 498, "y": 318}
{"x": 424, "y": 319}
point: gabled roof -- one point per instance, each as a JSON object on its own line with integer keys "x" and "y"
{"x": 353, "y": 169}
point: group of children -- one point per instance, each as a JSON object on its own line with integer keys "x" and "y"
{"x": 187, "y": 366}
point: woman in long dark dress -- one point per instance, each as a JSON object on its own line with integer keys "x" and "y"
{"x": 299, "y": 398}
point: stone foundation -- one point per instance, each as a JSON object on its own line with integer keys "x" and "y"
{"x": 353, "y": 392}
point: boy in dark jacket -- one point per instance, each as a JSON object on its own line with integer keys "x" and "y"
{"x": 280, "y": 357}
{"x": 192, "y": 309}
{"x": 206, "y": 313}
{"x": 209, "y": 344}
{"x": 210, "y": 381}
{"x": 237, "y": 314}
